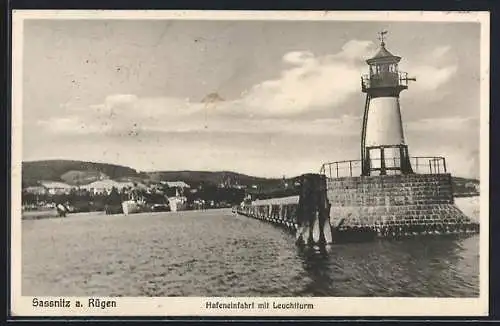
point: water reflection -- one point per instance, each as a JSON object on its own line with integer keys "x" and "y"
{"x": 427, "y": 266}
{"x": 317, "y": 271}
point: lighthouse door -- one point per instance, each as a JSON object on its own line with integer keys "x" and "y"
{"x": 383, "y": 160}
{"x": 375, "y": 158}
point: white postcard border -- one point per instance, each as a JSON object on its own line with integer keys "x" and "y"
{"x": 196, "y": 306}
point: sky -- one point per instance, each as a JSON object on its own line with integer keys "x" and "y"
{"x": 265, "y": 98}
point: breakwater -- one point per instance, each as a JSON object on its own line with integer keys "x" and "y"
{"x": 364, "y": 208}
{"x": 273, "y": 211}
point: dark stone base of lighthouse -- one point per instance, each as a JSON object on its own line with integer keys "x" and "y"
{"x": 367, "y": 207}
{"x": 396, "y": 206}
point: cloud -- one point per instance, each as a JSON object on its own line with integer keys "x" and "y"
{"x": 357, "y": 50}
{"x": 344, "y": 126}
{"x": 431, "y": 78}
{"x": 117, "y": 99}
{"x": 432, "y": 71}
{"x": 73, "y": 125}
{"x": 307, "y": 83}
{"x": 462, "y": 162}
{"x": 455, "y": 138}
{"x": 312, "y": 83}
{"x": 298, "y": 57}
{"x": 440, "y": 52}
{"x": 125, "y": 114}
{"x": 447, "y": 124}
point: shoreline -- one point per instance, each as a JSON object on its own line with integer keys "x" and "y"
{"x": 100, "y": 213}
{"x": 468, "y": 205}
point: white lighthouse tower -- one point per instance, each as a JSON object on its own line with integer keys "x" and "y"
{"x": 383, "y": 147}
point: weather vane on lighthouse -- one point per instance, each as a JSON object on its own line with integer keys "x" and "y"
{"x": 381, "y": 37}
{"x": 383, "y": 147}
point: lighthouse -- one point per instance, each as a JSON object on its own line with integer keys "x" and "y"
{"x": 383, "y": 147}
{"x": 392, "y": 198}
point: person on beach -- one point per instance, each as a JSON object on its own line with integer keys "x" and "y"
{"x": 61, "y": 210}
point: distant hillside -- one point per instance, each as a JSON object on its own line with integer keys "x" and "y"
{"x": 82, "y": 177}
{"x": 55, "y": 170}
{"x": 216, "y": 178}
{"x": 465, "y": 187}
{"x": 79, "y": 172}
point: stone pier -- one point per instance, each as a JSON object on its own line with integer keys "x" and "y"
{"x": 366, "y": 207}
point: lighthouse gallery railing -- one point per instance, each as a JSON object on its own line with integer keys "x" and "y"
{"x": 350, "y": 168}
{"x": 386, "y": 79}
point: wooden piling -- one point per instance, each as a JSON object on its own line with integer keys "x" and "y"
{"x": 313, "y": 210}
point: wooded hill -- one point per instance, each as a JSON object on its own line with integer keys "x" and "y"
{"x": 71, "y": 172}
{"x": 79, "y": 173}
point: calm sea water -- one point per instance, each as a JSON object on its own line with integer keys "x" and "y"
{"x": 215, "y": 253}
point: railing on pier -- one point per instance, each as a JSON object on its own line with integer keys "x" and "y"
{"x": 350, "y": 168}
{"x": 341, "y": 169}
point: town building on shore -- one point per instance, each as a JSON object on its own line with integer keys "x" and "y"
{"x": 176, "y": 184}
{"x": 56, "y": 187}
{"x": 35, "y": 190}
{"x": 105, "y": 186}
{"x": 180, "y": 187}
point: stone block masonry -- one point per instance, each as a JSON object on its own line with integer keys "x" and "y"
{"x": 396, "y": 205}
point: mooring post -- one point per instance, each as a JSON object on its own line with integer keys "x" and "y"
{"x": 304, "y": 210}
{"x": 324, "y": 212}
{"x": 313, "y": 211}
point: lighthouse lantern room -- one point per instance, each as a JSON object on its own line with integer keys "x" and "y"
{"x": 383, "y": 147}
